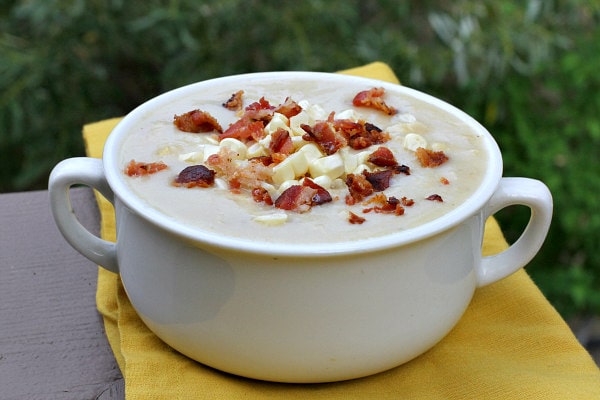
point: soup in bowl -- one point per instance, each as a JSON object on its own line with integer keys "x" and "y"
{"x": 300, "y": 226}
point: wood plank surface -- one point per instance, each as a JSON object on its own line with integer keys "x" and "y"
{"x": 52, "y": 341}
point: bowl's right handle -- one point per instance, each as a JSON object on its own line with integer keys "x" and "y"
{"x": 518, "y": 191}
{"x": 89, "y": 172}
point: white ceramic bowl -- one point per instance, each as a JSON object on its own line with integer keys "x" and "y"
{"x": 299, "y": 313}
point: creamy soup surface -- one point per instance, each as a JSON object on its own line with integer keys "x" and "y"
{"x": 434, "y": 191}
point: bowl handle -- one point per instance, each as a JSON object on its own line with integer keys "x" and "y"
{"x": 518, "y": 191}
{"x": 89, "y": 172}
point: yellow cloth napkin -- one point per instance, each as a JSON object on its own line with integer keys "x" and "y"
{"x": 510, "y": 344}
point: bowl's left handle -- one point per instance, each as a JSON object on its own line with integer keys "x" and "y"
{"x": 89, "y": 172}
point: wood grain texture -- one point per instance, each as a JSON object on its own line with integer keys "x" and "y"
{"x": 52, "y": 341}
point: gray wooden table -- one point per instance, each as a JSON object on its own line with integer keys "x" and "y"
{"x": 52, "y": 340}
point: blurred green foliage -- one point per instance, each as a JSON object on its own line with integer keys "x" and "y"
{"x": 526, "y": 69}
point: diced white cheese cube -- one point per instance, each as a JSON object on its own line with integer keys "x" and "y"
{"x": 338, "y": 183}
{"x": 348, "y": 114}
{"x": 299, "y": 163}
{"x": 332, "y": 166}
{"x": 413, "y": 141}
{"x": 298, "y": 142}
{"x": 297, "y": 120}
{"x": 317, "y": 113}
{"x": 256, "y": 150}
{"x": 350, "y": 160}
{"x": 278, "y": 121}
{"x": 284, "y": 171}
{"x": 272, "y": 219}
{"x": 236, "y": 146}
{"x": 324, "y": 181}
{"x": 311, "y": 151}
{"x": 192, "y": 157}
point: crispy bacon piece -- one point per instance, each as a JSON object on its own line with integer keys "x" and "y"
{"x": 368, "y": 136}
{"x": 235, "y": 102}
{"x": 244, "y": 130}
{"x": 385, "y": 205}
{"x": 429, "y": 158}
{"x": 322, "y": 195}
{"x": 281, "y": 142}
{"x": 355, "y": 219}
{"x": 135, "y": 168}
{"x": 373, "y": 98}
{"x": 325, "y": 135}
{"x": 196, "y": 121}
{"x": 360, "y": 134}
{"x": 289, "y": 108}
{"x": 444, "y": 180}
{"x": 260, "y": 110}
{"x": 296, "y": 198}
{"x": 301, "y": 198}
{"x": 401, "y": 169}
{"x": 261, "y": 195}
{"x": 359, "y": 188}
{"x": 252, "y": 123}
{"x": 195, "y": 176}
{"x": 379, "y": 180}
{"x": 406, "y": 202}
{"x": 383, "y": 157}
{"x": 435, "y": 197}
{"x": 248, "y": 176}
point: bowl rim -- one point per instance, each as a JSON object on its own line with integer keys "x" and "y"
{"x": 473, "y": 205}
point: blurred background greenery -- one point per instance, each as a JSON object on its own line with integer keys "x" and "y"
{"x": 526, "y": 69}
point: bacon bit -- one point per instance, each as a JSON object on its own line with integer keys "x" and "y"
{"x": 196, "y": 121}
{"x": 360, "y": 134}
{"x": 386, "y": 205}
{"x": 379, "y": 198}
{"x": 244, "y": 130}
{"x": 322, "y": 195}
{"x": 359, "y": 187}
{"x": 401, "y": 169}
{"x": 369, "y": 136}
{"x": 383, "y": 157}
{"x": 252, "y": 123}
{"x": 444, "y": 181}
{"x": 373, "y": 98}
{"x": 355, "y": 219}
{"x": 325, "y": 135}
{"x": 135, "y": 168}
{"x": 429, "y": 158}
{"x": 289, "y": 108}
{"x": 296, "y": 198}
{"x": 281, "y": 142}
{"x": 407, "y": 202}
{"x": 235, "y": 102}
{"x": 435, "y": 197}
{"x": 380, "y": 180}
{"x": 301, "y": 198}
{"x": 195, "y": 176}
{"x": 264, "y": 160}
{"x": 261, "y": 195}
{"x": 260, "y": 110}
